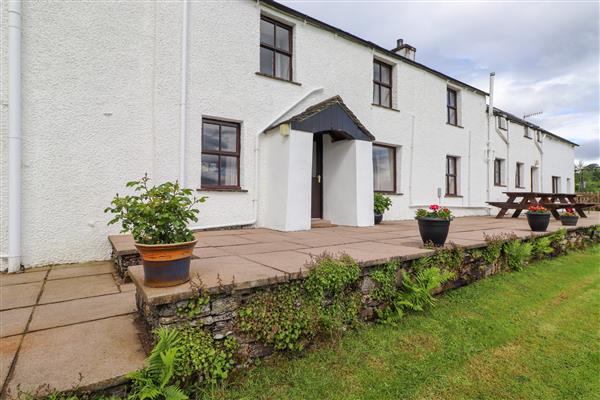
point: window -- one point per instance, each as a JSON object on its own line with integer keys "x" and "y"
{"x": 452, "y": 105}
{"x": 384, "y": 168}
{"x": 220, "y": 154}
{"x": 527, "y": 132}
{"x": 275, "y": 49}
{"x": 556, "y": 184}
{"x": 451, "y": 176}
{"x": 539, "y": 136}
{"x": 502, "y": 122}
{"x": 498, "y": 173}
{"x": 519, "y": 175}
{"x": 382, "y": 84}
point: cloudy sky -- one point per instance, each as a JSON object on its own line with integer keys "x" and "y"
{"x": 545, "y": 53}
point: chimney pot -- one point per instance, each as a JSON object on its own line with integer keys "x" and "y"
{"x": 405, "y": 49}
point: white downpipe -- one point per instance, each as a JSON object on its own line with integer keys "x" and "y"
{"x": 470, "y": 171}
{"x": 183, "y": 92}
{"x": 489, "y": 136}
{"x": 14, "y": 136}
{"x": 412, "y": 157}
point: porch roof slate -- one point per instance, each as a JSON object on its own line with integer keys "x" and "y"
{"x": 306, "y": 120}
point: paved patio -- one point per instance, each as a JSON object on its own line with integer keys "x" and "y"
{"x": 61, "y": 321}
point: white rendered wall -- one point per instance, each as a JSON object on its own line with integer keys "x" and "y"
{"x": 347, "y": 182}
{"x": 286, "y": 166}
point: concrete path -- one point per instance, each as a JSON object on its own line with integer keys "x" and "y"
{"x": 66, "y": 326}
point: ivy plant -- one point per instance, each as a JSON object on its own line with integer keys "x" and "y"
{"x": 156, "y": 214}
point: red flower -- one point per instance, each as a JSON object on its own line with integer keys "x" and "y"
{"x": 446, "y": 210}
{"x": 570, "y": 210}
{"x": 434, "y": 207}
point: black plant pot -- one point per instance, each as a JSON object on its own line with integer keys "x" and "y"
{"x": 568, "y": 220}
{"x": 378, "y": 218}
{"x": 434, "y": 230}
{"x": 538, "y": 222}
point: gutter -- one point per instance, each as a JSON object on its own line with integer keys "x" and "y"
{"x": 488, "y": 150}
{"x": 14, "y": 136}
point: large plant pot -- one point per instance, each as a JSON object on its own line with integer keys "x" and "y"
{"x": 538, "y": 222}
{"x": 378, "y": 218}
{"x": 166, "y": 264}
{"x": 434, "y": 230}
{"x": 568, "y": 220}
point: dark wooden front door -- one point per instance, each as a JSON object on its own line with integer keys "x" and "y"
{"x": 317, "y": 177}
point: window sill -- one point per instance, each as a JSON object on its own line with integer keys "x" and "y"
{"x": 519, "y": 187}
{"x": 216, "y": 189}
{"x": 456, "y": 126}
{"x": 278, "y": 79}
{"x": 499, "y": 185}
{"x": 454, "y": 196}
{"x": 389, "y": 193}
{"x": 384, "y": 107}
{"x": 528, "y": 137}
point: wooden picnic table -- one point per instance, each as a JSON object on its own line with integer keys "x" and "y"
{"x": 520, "y": 201}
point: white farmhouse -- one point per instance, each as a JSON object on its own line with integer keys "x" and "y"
{"x": 277, "y": 117}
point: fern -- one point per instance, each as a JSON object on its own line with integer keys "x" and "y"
{"x": 418, "y": 294}
{"x": 517, "y": 253}
{"x": 541, "y": 247}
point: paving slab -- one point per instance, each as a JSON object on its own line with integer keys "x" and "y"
{"x": 82, "y": 310}
{"x": 78, "y": 288}
{"x": 213, "y": 272}
{"x": 13, "y": 322}
{"x": 22, "y": 277}
{"x": 22, "y": 295}
{"x": 327, "y": 240}
{"x": 123, "y": 244}
{"x": 223, "y": 240}
{"x": 101, "y": 351}
{"x": 127, "y": 287}
{"x": 85, "y": 269}
{"x": 265, "y": 237}
{"x": 208, "y": 252}
{"x": 293, "y": 263}
{"x": 8, "y": 350}
{"x": 262, "y": 248}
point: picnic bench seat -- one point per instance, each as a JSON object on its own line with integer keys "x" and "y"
{"x": 552, "y": 201}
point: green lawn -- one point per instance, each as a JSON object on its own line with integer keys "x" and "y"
{"x": 525, "y": 335}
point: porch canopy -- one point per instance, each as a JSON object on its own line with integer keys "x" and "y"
{"x": 329, "y": 116}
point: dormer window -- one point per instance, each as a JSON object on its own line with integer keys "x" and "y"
{"x": 382, "y": 84}
{"x": 452, "y": 106}
{"x": 275, "y": 49}
{"x": 502, "y": 123}
{"x": 539, "y": 136}
{"x": 528, "y": 132}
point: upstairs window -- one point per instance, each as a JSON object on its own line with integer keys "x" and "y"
{"x": 384, "y": 168}
{"x": 519, "y": 175}
{"x": 498, "y": 172}
{"x": 382, "y": 84}
{"x": 452, "y": 106}
{"x": 451, "y": 176}
{"x": 538, "y": 135}
{"x": 528, "y": 132}
{"x": 220, "y": 154}
{"x": 502, "y": 123}
{"x": 275, "y": 49}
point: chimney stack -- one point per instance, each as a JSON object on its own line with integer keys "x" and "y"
{"x": 405, "y": 50}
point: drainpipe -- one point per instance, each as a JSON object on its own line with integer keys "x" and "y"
{"x": 14, "y": 136}
{"x": 183, "y": 92}
{"x": 489, "y": 135}
{"x": 412, "y": 157}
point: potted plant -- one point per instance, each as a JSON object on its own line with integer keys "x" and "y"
{"x": 434, "y": 224}
{"x": 157, "y": 218}
{"x": 568, "y": 217}
{"x": 381, "y": 204}
{"x": 538, "y": 218}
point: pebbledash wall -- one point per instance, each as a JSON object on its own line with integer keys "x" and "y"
{"x": 101, "y": 106}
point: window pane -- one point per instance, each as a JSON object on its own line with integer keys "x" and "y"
{"x": 451, "y": 181}
{"x": 266, "y": 61}
{"x": 376, "y": 72}
{"x": 383, "y": 168}
{"x": 452, "y": 116}
{"x": 229, "y": 171}
{"x": 385, "y": 97}
{"x": 385, "y": 74}
{"x": 210, "y": 137}
{"x": 376, "y": 94}
{"x": 282, "y": 66}
{"x": 282, "y": 38}
{"x": 210, "y": 170}
{"x": 267, "y": 33}
{"x": 228, "y": 138}
{"x": 451, "y": 166}
{"x": 451, "y": 98}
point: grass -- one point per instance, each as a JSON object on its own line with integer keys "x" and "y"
{"x": 533, "y": 334}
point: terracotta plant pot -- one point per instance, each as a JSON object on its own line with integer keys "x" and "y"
{"x": 538, "y": 222}
{"x": 434, "y": 230}
{"x": 568, "y": 220}
{"x": 378, "y": 218}
{"x": 166, "y": 264}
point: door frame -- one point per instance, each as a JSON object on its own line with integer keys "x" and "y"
{"x": 318, "y": 147}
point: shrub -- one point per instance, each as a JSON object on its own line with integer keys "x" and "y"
{"x": 542, "y": 246}
{"x": 157, "y": 214}
{"x": 381, "y": 203}
{"x": 516, "y": 254}
{"x": 330, "y": 275}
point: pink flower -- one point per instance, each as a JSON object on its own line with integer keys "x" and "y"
{"x": 434, "y": 207}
